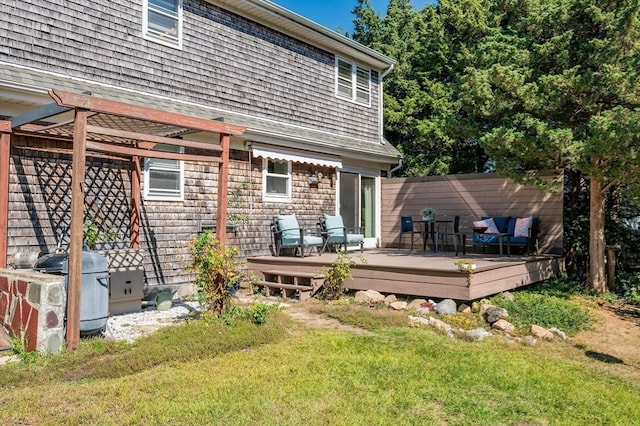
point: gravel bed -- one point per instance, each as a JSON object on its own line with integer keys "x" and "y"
{"x": 131, "y": 326}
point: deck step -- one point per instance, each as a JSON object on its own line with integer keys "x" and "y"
{"x": 293, "y": 273}
{"x": 303, "y": 292}
{"x": 302, "y": 284}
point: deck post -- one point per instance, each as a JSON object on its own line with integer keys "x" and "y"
{"x": 5, "y": 153}
{"x": 223, "y": 184}
{"x": 74, "y": 285}
{"x": 135, "y": 202}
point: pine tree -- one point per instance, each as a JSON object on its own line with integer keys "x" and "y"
{"x": 554, "y": 85}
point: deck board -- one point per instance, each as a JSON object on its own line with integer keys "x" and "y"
{"x": 425, "y": 274}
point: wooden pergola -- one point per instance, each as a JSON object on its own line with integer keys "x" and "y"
{"x": 117, "y": 128}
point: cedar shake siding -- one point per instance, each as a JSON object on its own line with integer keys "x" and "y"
{"x": 226, "y": 61}
{"x": 40, "y": 204}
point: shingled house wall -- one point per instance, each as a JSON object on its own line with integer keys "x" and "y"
{"x": 226, "y": 60}
{"x": 40, "y": 203}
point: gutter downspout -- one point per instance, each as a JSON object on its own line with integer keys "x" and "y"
{"x": 398, "y": 167}
{"x": 381, "y": 102}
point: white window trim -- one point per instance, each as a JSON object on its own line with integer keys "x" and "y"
{"x": 273, "y": 197}
{"x": 178, "y": 197}
{"x": 354, "y": 81}
{"x": 147, "y": 35}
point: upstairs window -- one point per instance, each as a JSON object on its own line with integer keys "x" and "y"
{"x": 276, "y": 178}
{"x": 163, "y": 178}
{"x": 353, "y": 82}
{"x": 162, "y": 21}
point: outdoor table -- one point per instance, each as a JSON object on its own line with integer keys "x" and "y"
{"x": 429, "y": 230}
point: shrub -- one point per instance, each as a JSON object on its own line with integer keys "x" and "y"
{"x": 562, "y": 287}
{"x": 463, "y": 321}
{"x": 257, "y": 313}
{"x": 628, "y": 285}
{"x": 218, "y": 272}
{"x": 528, "y": 308}
{"x": 335, "y": 276}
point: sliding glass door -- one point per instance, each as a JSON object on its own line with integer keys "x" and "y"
{"x": 358, "y": 197}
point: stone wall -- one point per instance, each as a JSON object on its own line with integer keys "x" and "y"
{"x": 33, "y": 308}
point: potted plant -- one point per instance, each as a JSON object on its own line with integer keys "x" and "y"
{"x": 428, "y": 213}
{"x": 465, "y": 265}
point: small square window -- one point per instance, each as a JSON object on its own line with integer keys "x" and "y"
{"x": 162, "y": 21}
{"x": 276, "y": 180}
{"x": 164, "y": 178}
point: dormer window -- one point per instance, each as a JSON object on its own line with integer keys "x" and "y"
{"x": 162, "y": 21}
{"x": 353, "y": 82}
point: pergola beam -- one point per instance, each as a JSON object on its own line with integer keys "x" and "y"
{"x": 105, "y": 106}
{"x": 45, "y": 111}
{"x": 132, "y": 151}
{"x": 152, "y": 138}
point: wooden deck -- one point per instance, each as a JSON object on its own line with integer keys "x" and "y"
{"x": 425, "y": 274}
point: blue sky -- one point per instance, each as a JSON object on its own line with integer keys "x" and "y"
{"x": 336, "y": 14}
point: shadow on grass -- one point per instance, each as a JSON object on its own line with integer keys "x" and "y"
{"x": 189, "y": 341}
{"x": 599, "y": 356}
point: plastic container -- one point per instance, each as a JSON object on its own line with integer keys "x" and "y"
{"x": 94, "y": 295}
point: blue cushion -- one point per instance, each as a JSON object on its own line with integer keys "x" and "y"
{"x": 511, "y": 227}
{"x": 312, "y": 240}
{"x": 288, "y": 224}
{"x": 502, "y": 222}
{"x": 355, "y": 238}
{"x": 484, "y": 239}
{"x": 334, "y": 226}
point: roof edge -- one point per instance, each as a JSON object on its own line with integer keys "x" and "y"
{"x": 295, "y": 25}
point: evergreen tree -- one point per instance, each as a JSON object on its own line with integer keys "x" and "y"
{"x": 421, "y": 108}
{"x": 554, "y": 85}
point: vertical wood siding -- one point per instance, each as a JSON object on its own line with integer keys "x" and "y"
{"x": 226, "y": 61}
{"x": 470, "y": 196}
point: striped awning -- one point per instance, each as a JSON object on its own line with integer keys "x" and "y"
{"x": 276, "y": 153}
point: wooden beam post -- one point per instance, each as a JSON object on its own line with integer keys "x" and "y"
{"x": 74, "y": 284}
{"x": 5, "y": 153}
{"x": 223, "y": 184}
{"x": 135, "y": 202}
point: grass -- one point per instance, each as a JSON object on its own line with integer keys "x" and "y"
{"x": 281, "y": 373}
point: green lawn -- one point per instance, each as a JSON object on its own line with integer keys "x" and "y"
{"x": 282, "y": 373}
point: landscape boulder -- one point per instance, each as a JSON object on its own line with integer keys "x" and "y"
{"x": 494, "y": 313}
{"x": 477, "y": 334}
{"x": 446, "y": 307}
{"x": 416, "y": 304}
{"x": 368, "y": 296}
{"x": 504, "y": 326}
{"x": 398, "y": 306}
{"x": 541, "y": 332}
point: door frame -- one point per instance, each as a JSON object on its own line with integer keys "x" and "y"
{"x": 370, "y": 242}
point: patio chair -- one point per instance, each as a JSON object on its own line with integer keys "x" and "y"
{"x": 336, "y": 235}
{"x": 406, "y": 227}
{"x": 286, "y": 233}
{"x": 459, "y": 238}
